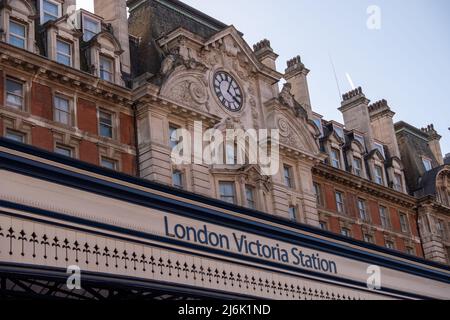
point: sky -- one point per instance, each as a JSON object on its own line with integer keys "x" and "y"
{"x": 398, "y": 50}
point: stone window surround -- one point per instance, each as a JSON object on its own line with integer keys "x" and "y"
{"x": 25, "y": 18}
{"x": 292, "y": 175}
{"x": 59, "y": 3}
{"x": 115, "y": 121}
{"x": 26, "y": 91}
{"x": 368, "y": 217}
{"x": 72, "y": 109}
{"x": 95, "y": 52}
{"x": 334, "y": 145}
{"x": 19, "y": 126}
{"x": 388, "y": 216}
{"x": 374, "y": 162}
{"x": 408, "y": 225}
{"x": 354, "y": 152}
{"x": 237, "y": 188}
{"x": 185, "y": 176}
{"x": 392, "y": 171}
{"x": 110, "y": 153}
{"x": 56, "y": 32}
{"x": 67, "y": 140}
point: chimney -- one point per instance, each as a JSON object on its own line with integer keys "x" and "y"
{"x": 382, "y": 122}
{"x": 355, "y": 110}
{"x": 296, "y": 74}
{"x": 115, "y": 13}
{"x": 434, "y": 142}
{"x": 265, "y": 54}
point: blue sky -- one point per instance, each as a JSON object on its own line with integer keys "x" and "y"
{"x": 406, "y": 61}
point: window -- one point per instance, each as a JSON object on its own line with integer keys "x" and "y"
{"x": 339, "y": 131}
{"x": 17, "y": 34}
{"x": 379, "y": 175}
{"x": 64, "y": 52}
{"x": 335, "y": 158}
{"x": 410, "y": 251}
{"x": 108, "y": 163}
{"x": 106, "y": 124}
{"x": 390, "y": 245}
{"x": 318, "y": 192}
{"x": 398, "y": 184}
{"x": 250, "y": 197}
{"x": 357, "y": 166}
{"x": 362, "y": 210}
{"x": 227, "y": 192}
{"x": 106, "y": 69}
{"x": 346, "y": 232}
{"x": 340, "y": 202}
{"x": 323, "y": 225}
{"x": 384, "y": 217}
{"x": 288, "y": 177}
{"x": 64, "y": 151}
{"x": 15, "y": 136}
{"x": 62, "y": 110}
{"x": 14, "y": 94}
{"x": 380, "y": 148}
{"x": 90, "y": 28}
{"x": 368, "y": 238}
{"x": 293, "y": 213}
{"x": 177, "y": 178}
{"x": 427, "y": 164}
{"x": 404, "y": 223}
{"x": 50, "y": 11}
{"x": 173, "y": 139}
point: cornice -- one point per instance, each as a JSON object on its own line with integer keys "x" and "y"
{"x": 80, "y": 80}
{"x": 363, "y": 185}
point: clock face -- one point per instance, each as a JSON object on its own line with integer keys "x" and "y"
{"x": 228, "y": 91}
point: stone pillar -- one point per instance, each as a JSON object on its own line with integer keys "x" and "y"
{"x": 434, "y": 142}
{"x": 265, "y": 54}
{"x": 296, "y": 74}
{"x": 115, "y": 13}
{"x": 433, "y": 246}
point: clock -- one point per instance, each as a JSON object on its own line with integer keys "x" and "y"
{"x": 228, "y": 91}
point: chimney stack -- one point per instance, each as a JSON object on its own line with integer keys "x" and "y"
{"x": 434, "y": 142}
{"x": 115, "y": 13}
{"x": 382, "y": 122}
{"x": 265, "y": 54}
{"x": 296, "y": 74}
{"x": 355, "y": 110}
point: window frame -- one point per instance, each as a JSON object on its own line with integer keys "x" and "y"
{"x": 224, "y": 197}
{"x": 58, "y": 53}
{"x": 24, "y": 38}
{"x": 426, "y": 161}
{"x": 250, "y": 203}
{"x": 65, "y": 147}
{"x": 385, "y": 223}
{"x": 404, "y": 224}
{"x": 318, "y": 193}
{"x": 398, "y": 182}
{"x": 387, "y": 244}
{"x": 292, "y": 211}
{"x": 101, "y": 70}
{"x": 362, "y": 211}
{"x": 342, "y": 196}
{"x": 10, "y": 132}
{"x": 346, "y": 232}
{"x": 98, "y": 23}
{"x": 288, "y": 176}
{"x": 56, "y": 110}
{"x": 181, "y": 175}
{"x": 112, "y": 125}
{"x": 376, "y": 176}
{"x": 114, "y": 162}
{"x": 368, "y": 238}
{"x": 43, "y": 12}
{"x": 359, "y": 161}
{"x": 337, "y": 152}
{"x": 7, "y": 93}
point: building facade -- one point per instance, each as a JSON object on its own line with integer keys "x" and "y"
{"x": 112, "y": 90}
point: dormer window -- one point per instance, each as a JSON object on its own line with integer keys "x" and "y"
{"x": 360, "y": 139}
{"x": 339, "y": 131}
{"x": 90, "y": 28}
{"x": 17, "y": 34}
{"x": 64, "y": 52}
{"x": 398, "y": 184}
{"x": 357, "y": 166}
{"x": 106, "y": 68}
{"x": 50, "y": 10}
{"x": 427, "y": 164}
{"x": 380, "y": 148}
{"x": 379, "y": 175}
{"x": 335, "y": 158}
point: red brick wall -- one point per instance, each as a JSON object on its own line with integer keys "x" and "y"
{"x": 41, "y": 101}
{"x": 1, "y": 127}
{"x": 374, "y": 213}
{"x": 42, "y": 138}
{"x": 330, "y": 199}
{"x": 126, "y": 129}
{"x": 350, "y": 204}
{"x": 357, "y": 232}
{"x": 334, "y": 225}
{"x": 400, "y": 245}
{"x": 87, "y": 116}
{"x": 128, "y": 164}
{"x": 419, "y": 251}
{"x": 379, "y": 238}
{"x": 89, "y": 152}
{"x": 414, "y": 226}
{"x": 395, "y": 220}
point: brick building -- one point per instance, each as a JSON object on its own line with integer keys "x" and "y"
{"x": 111, "y": 90}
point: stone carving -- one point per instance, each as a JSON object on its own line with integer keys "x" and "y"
{"x": 287, "y": 99}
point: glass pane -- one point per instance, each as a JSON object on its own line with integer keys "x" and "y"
{"x": 63, "y": 151}
{"x": 63, "y": 47}
{"x": 105, "y": 131}
{"x": 105, "y": 64}
{"x": 50, "y": 7}
{"x": 63, "y": 59}
{"x": 105, "y": 118}
{"x": 90, "y": 25}
{"x": 17, "y": 42}
{"x": 109, "y": 164}
{"x": 14, "y": 87}
{"x": 15, "y": 136}
{"x": 178, "y": 179}
{"x": 62, "y": 104}
{"x": 17, "y": 29}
